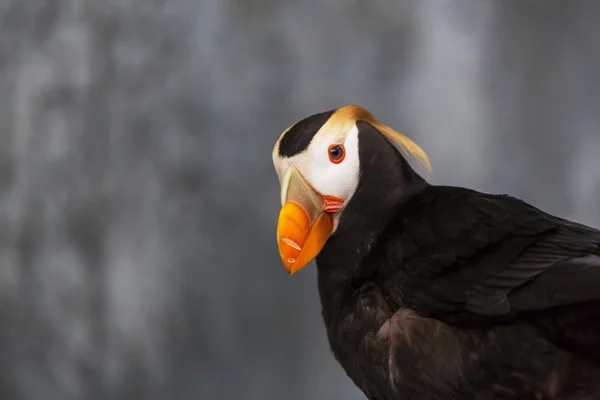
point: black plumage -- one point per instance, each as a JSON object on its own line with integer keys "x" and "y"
{"x": 437, "y": 292}
{"x": 299, "y": 136}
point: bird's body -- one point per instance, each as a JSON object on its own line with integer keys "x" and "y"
{"x": 437, "y": 292}
{"x": 430, "y": 314}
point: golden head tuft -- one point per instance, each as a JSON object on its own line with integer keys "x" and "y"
{"x": 352, "y": 114}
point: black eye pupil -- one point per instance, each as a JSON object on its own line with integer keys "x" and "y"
{"x": 336, "y": 152}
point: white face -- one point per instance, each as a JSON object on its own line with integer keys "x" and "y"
{"x": 325, "y": 174}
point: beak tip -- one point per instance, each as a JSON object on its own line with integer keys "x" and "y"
{"x": 289, "y": 267}
{"x": 289, "y": 255}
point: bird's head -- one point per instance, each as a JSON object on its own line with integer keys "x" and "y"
{"x": 318, "y": 162}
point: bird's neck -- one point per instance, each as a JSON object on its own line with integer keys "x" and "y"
{"x": 341, "y": 264}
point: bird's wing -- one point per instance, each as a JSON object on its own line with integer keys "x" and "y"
{"x": 481, "y": 258}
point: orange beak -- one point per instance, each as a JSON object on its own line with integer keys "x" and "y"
{"x": 305, "y": 221}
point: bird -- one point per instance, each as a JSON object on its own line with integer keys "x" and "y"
{"x": 432, "y": 291}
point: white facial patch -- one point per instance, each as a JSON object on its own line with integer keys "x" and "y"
{"x": 326, "y": 177}
{"x": 332, "y": 179}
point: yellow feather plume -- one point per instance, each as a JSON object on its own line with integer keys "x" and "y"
{"x": 352, "y": 113}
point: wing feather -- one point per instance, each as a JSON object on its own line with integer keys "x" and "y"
{"x": 481, "y": 256}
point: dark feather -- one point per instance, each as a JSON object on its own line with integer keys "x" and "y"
{"x": 509, "y": 258}
{"x": 433, "y": 292}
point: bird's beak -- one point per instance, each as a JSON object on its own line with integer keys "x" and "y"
{"x": 305, "y": 221}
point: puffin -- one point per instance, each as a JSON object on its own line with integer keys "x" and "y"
{"x": 430, "y": 291}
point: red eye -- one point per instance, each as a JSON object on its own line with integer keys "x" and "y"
{"x": 337, "y": 153}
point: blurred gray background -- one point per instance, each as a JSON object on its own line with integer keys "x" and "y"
{"x": 138, "y": 202}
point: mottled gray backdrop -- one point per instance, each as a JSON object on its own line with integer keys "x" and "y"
{"x": 138, "y": 202}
